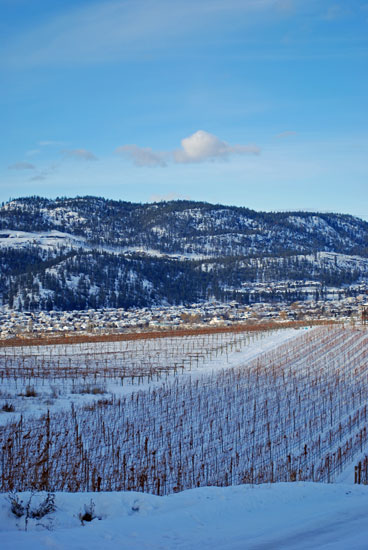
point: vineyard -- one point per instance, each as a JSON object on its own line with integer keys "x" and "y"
{"x": 123, "y": 363}
{"x": 190, "y": 411}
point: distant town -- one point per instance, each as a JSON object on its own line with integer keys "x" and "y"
{"x": 336, "y": 305}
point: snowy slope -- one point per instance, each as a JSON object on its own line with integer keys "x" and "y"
{"x": 43, "y": 240}
{"x": 56, "y": 239}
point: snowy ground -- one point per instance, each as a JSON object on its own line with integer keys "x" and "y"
{"x": 264, "y": 517}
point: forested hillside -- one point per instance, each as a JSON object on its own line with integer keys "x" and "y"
{"x": 92, "y": 252}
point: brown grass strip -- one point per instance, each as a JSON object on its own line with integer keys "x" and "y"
{"x": 46, "y": 340}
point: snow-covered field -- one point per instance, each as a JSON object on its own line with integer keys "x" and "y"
{"x": 208, "y": 412}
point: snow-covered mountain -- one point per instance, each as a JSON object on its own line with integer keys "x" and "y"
{"x": 92, "y": 252}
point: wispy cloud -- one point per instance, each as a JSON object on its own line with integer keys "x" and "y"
{"x": 32, "y": 152}
{"x": 41, "y": 174}
{"x": 38, "y": 177}
{"x": 287, "y": 133}
{"x": 199, "y": 147}
{"x": 22, "y": 166}
{"x": 116, "y": 29}
{"x": 50, "y": 143}
{"x": 286, "y": 6}
{"x": 79, "y": 154}
{"x": 142, "y": 156}
{"x": 336, "y": 11}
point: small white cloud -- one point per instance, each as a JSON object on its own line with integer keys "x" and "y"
{"x": 22, "y": 166}
{"x": 142, "y": 156}
{"x": 202, "y": 146}
{"x": 79, "y": 154}
{"x": 32, "y": 152}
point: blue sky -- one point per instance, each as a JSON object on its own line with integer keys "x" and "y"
{"x": 258, "y": 103}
